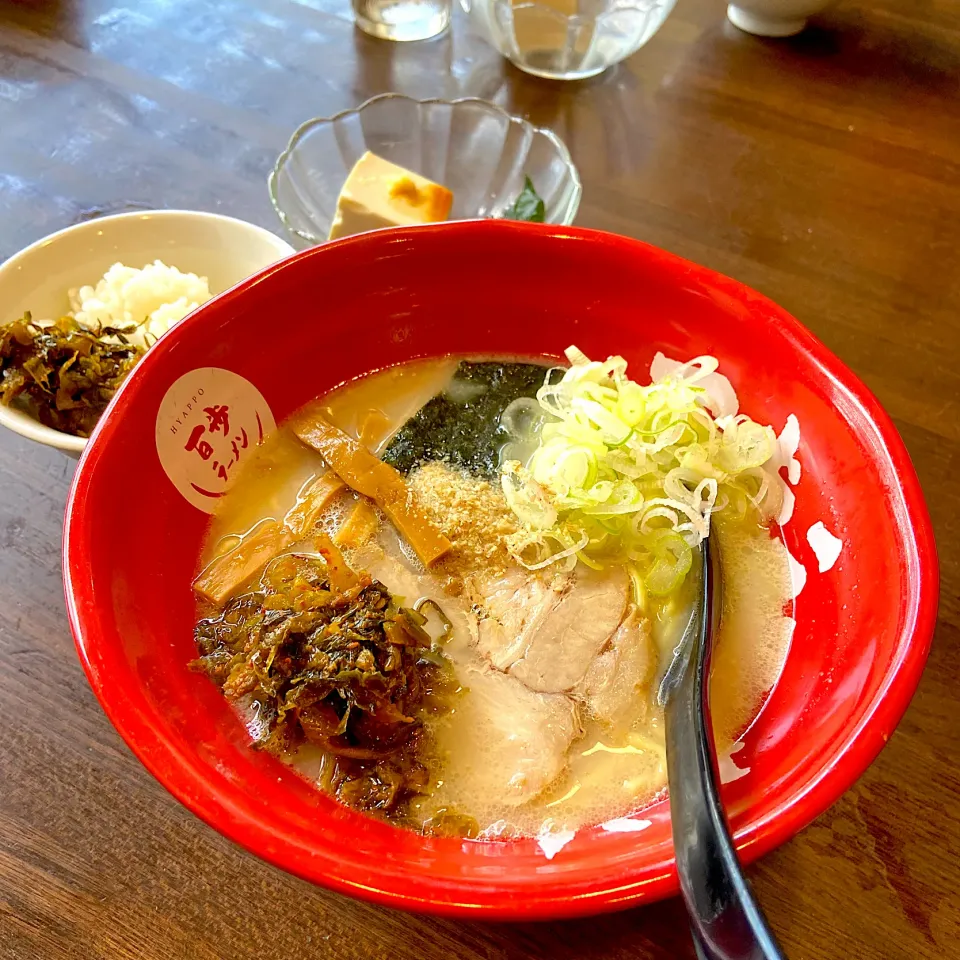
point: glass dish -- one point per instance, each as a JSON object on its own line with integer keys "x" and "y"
{"x": 471, "y": 146}
{"x": 567, "y": 39}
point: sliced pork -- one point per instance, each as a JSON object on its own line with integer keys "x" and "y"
{"x": 545, "y": 632}
{"x": 617, "y": 683}
{"x": 512, "y": 742}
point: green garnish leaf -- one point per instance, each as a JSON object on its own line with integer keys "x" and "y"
{"x": 528, "y": 206}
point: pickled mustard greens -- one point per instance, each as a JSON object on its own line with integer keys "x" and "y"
{"x": 333, "y": 661}
{"x": 62, "y": 373}
{"x": 607, "y": 472}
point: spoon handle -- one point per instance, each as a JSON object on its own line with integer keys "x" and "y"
{"x": 726, "y": 920}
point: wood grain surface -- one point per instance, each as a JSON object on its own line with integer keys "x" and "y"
{"x": 822, "y": 170}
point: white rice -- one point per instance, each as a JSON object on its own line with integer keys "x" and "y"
{"x": 143, "y": 304}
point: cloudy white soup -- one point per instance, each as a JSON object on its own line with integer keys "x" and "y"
{"x": 446, "y": 592}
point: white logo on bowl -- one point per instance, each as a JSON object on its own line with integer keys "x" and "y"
{"x": 208, "y": 425}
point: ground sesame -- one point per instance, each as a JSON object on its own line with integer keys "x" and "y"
{"x": 473, "y": 515}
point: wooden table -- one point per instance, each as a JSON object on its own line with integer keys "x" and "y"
{"x": 823, "y": 170}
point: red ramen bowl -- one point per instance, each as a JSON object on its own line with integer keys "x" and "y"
{"x": 338, "y": 311}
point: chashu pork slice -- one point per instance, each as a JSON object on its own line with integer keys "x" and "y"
{"x": 616, "y": 686}
{"x": 545, "y": 632}
{"x": 512, "y": 742}
{"x": 504, "y": 741}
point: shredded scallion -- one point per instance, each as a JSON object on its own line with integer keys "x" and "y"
{"x": 606, "y": 471}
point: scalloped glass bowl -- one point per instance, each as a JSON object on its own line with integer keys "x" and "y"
{"x": 567, "y": 39}
{"x": 471, "y": 146}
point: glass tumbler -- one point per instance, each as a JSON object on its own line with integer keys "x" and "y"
{"x": 402, "y": 19}
{"x": 567, "y": 39}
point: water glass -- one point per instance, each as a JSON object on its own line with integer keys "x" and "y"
{"x": 402, "y": 19}
{"x": 567, "y": 39}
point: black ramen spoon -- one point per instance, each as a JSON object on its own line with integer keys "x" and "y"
{"x": 725, "y": 920}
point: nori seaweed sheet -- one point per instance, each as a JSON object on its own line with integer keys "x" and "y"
{"x": 465, "y": 434}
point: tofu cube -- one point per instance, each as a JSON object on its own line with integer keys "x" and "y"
{"x": 381, "y": 194}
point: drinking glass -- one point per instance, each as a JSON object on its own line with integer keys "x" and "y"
{"x": 402, "y": 19}
{"x": 567, "y": 39}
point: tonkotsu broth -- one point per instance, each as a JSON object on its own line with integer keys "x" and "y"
{"x": 606, "y": 776}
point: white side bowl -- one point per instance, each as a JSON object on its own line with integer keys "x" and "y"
{"x": 222, "y": 249}
{"x": 774, "y": 18}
